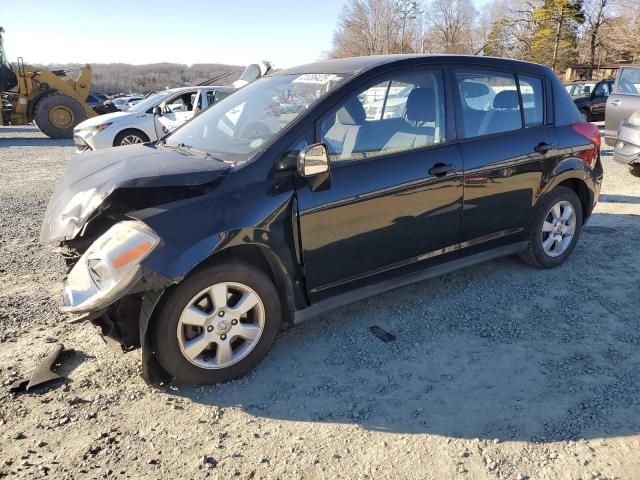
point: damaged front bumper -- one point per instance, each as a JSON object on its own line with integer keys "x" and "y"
{"x": 116, "y": 292}
{"x": 125, "y": 322}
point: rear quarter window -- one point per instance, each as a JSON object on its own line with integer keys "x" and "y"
{"x": 532, "y": 93}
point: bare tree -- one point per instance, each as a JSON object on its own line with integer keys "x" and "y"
{"x": 619, "y": 36}
{"x": 407, "y": 13}
{"x": 597, "y": 13}
{"x": 449, "y": 26}
{"x": 366, "y": 27}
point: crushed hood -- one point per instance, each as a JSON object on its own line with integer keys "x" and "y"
{"x": 92, "y": 177}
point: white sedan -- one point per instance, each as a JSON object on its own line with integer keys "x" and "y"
{"x": 149, "y": 120}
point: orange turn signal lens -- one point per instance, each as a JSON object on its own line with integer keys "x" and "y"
{"x": 132, "y": 254}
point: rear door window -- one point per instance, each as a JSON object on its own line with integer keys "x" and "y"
{"x": 496, "y": 102}
{"x": 490, "y": 102}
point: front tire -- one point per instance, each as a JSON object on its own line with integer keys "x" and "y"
{"x": 56, "y": 114}
{"x": 217, "y": 325}
{"x": 130, "y": 137}
{"x": 556, "y": 229}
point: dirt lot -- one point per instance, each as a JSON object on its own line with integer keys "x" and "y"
{"x": 498, "y": 371}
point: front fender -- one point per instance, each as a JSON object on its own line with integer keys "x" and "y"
{"x": 193, "y": 230}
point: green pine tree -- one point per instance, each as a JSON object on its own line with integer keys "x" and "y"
{"x": 556, "y": 35}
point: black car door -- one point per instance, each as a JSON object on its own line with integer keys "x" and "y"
{"x": 395, "y": 194}
{"x": 599, "y": 100}
{"x": 507, "y": 148}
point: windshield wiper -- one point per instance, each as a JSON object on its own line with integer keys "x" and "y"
{"x": 191, "y": 151}
{"x": 183, "y": 147}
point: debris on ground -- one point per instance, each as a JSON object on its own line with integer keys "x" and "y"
{"x": 42, "y": 374}
{"x": 382, "y": 334}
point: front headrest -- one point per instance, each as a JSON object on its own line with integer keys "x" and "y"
{"x": 421, "y": 105}
{"x": 506, "y": 99}
{"x": 352, "y": 113}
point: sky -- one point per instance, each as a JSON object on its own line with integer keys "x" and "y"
{"x": 237, "y": 32}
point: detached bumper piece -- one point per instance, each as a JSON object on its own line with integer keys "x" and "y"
{"x": 42, "y": 374}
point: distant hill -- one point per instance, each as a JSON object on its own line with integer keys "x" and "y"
{"x": 123, "y": 78}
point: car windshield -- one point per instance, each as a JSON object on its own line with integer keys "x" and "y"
{"x": 149, "y": 102}
{"x": 240, "y": 125}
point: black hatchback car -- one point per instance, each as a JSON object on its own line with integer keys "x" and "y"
{"x": 315, "y": 187}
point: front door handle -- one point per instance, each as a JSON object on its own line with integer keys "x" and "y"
{"x": 441, "y": 169}
{"x": 543, "y": 147}
{"x": 614, "y": 103}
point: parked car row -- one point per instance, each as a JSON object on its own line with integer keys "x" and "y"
{"x": 135, "y": 119}
{"x": 293, "y": 196}
{"x": 147, "y": 120}
{"x": 617, "y": 102}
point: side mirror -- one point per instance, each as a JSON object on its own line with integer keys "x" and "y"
{"x": 157, "y": 111}
{"x": 313, "y": 160}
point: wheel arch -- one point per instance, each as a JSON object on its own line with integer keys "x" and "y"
{"x": 258, "y": 256}
{"x": 130, "y": 129}
{"x": 572, "y": 173}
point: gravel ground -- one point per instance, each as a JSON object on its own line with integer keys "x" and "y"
{"x": 498, "y": 371}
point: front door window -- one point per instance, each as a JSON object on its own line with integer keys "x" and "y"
{"x": 401, "y": 113}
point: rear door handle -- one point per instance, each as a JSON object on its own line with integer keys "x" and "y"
{"x": 614, "y": 103}
{"x": 543, "y": 147}
{"x": 441, "y": 169}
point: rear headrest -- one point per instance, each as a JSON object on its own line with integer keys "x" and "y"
{"x": 506, "y": 99}
{"x": 421, "y": 105}
{"x": 352, "y": 113}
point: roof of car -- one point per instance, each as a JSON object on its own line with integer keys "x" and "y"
{"x": 354, "y": 65}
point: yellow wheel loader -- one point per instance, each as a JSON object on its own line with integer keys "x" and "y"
{"x": 56, "y": 104}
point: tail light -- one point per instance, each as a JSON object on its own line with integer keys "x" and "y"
{"x": 591, "y": 133}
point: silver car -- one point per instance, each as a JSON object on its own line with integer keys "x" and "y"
{"x": 623, "y": 101}
{"x": 627, "y": 149}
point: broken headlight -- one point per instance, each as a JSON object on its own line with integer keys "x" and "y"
{"x": 108, "y": 267}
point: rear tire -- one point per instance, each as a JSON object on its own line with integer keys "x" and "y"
{"x": 130, "y": 137}
{"x": 56, "y": 115}
{"x": 173, "y": 337}
{"x": 542, "y": 251}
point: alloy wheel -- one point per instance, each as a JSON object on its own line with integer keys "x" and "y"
{"x": 221, "y": 325}
{"x": 558, "y": 228}
{"x": 131, "y": 140}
